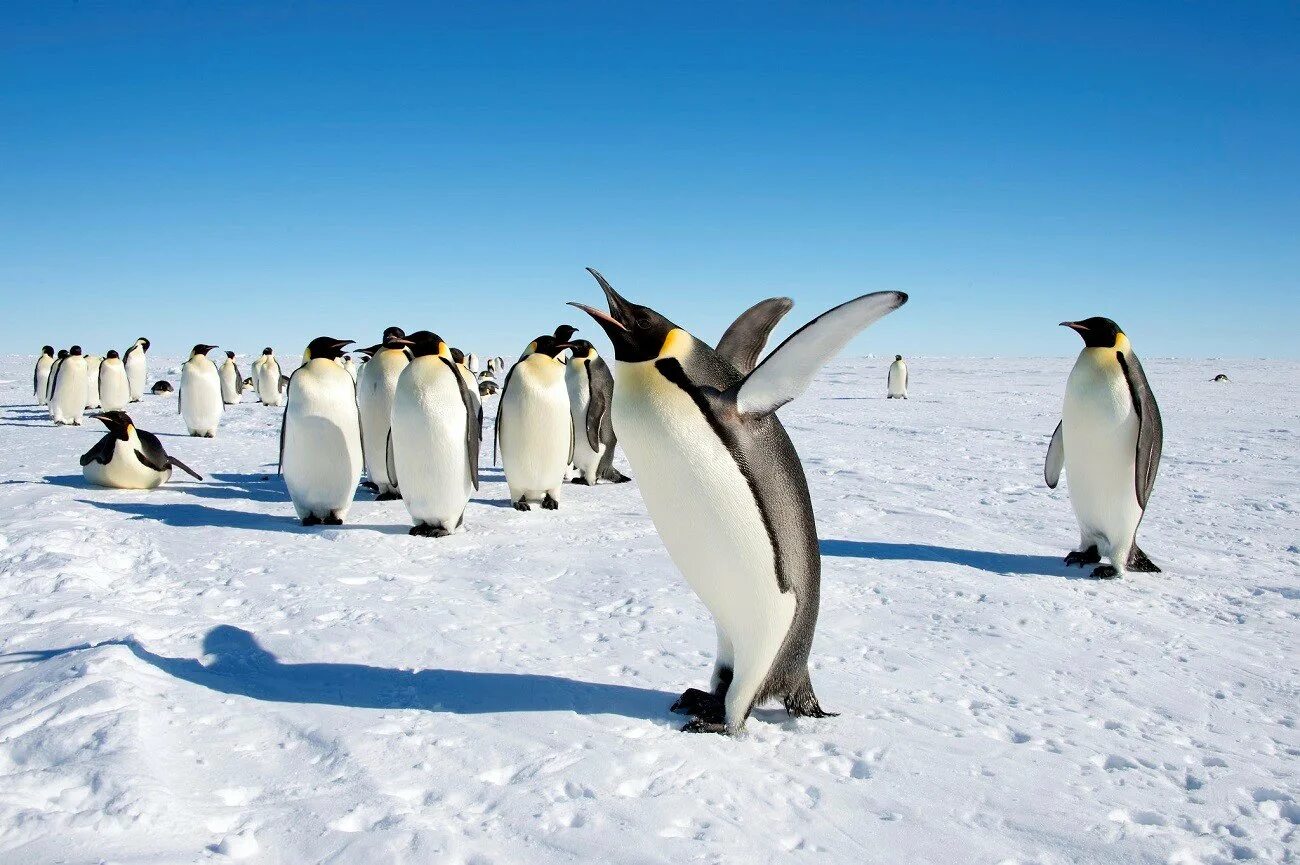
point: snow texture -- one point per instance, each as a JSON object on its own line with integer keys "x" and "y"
{"x": 187, "y": 675}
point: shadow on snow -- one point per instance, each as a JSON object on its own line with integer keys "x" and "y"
{"x": 996, "y": 563}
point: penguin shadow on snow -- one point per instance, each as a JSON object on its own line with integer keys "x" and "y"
{"x": 1005, "y": 564}
{"x": 185, "y": 515}
{"x": 235, "y": 663}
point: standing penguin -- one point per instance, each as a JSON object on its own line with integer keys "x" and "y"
{"x": 137, "y": 367}
{"x": 471, "y": 383}
{"x": 68, "y": 388}
{"x": 1109, "y": 442}
{"x": 434, "y": 443}
{"x": 127, "y": 458}
{"x": 725, "y": 488}
{"x": 114, "y": 387}
{"x": 266, "y": 378}
{"x": 896, "y": 381}
{"x": 349, "y": 367}
{"x": 591, "y": 393}
{"x": 232, "y": 381}
{"x": 92, "y": 380}
{"x": 199, "y": 399}
{"x": 320, "y": 436}
{"x": 41, "y": 375}
{"x": 533, "y": 426}
{"x": 54, "y": 371}
{"x": 471, "y": 361}
{"x": 375, "y": 388}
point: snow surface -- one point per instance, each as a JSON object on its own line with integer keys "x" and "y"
{"x": 189, "y": 676}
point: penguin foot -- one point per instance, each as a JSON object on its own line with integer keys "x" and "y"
{"x": 700, "y": 704}
{"x": 549, "y": 503}
{"x": 311, "y": 520}
{"x": 332, "y": 520}
{"x": 1089, "y": 556}
{"x": 617, "y": 477}
{"x": 1105, "y": 572}
{"x": 581, "y": 481}
{"x": 522, "y": 505}
{"x": 208, "y": 435}
{"x": 699, "y": 725}
{"x": 424, "y": 530}
{"x": 388, "y": 497}
{"x": 803, "y": 704}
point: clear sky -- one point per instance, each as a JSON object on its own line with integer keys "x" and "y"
{"x": 250, "y": 174}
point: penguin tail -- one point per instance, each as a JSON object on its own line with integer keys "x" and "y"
{"x": 1139, "y": 563}
{"x": 175, "y": 463}
{"x": 802, "y": 702}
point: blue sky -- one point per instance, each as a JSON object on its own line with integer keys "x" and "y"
{"x": 251, "y": 174}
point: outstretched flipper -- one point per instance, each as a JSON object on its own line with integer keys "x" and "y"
{"x": 1055, "y": 457}
{"x": 175, "y": 463}
{"x": 1151, "y": 434}
{"x": 745, "y": 339}
{"x": 787, "y": 371}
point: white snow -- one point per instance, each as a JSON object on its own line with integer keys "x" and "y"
{"x": 187, "y": 675}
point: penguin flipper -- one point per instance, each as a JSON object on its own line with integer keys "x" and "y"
{"x": 501, "y": 415}
{"x": 473, "y": 423}
{"x": 390, "y": 463}
{"x": 744, "y": 340}
{"x": 53, "y": 383}
{"x": 789, "y": 369}
{"x": 101, "y": 453}
{"x": 1151, "y": 434}
{"x": 1055, "y": 457}
{"x": 175, "y": 463}
{"x": 600, "y": 384}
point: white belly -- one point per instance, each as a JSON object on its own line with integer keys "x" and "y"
{"x": 69, "y": 399}
{"x": 1100, "y": 432}
{"x": 429, "y": 443}
{"x": 92, "y": 383}
{"x": 230, "y": 392}
{"x": 136, "y": 369}
{"x": 897, "y": 379}
{"x": 114, "y": 391}
{"x": 200, "y": 396}
{"x": 576, "y": 380}
{"x": 536, "y": 436}
{"x": 322, "y": 441}
{"x": 701, "y": 504}
{"x": 377, "y": 384}
{"x": 125, "y": 471}
{"x": 43, "y": 380}
{"x": 267, "y": 380}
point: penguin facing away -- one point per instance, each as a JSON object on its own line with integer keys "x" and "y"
{"x": 67, "y": 388}
{"x": 92, "y": 381}
{"x": 433, "y": 447}
{"x": 320, "y": 436}
{"x": 137, "y": 367}
{"x": 127, "y": 458}
{"x": 199, "y": 399}
{"x": 1108, "y": 442}
{"x": 41, "y": 374}
{"x": 232, "y": 380}
{"x": 376, "y": 385}
{"x": 114, "y": 387}
{"x": 534, "y": 428}
{"x": 896, "y": 380}
{"x": 726, "y": 491}
{"x": 591, "y": 393}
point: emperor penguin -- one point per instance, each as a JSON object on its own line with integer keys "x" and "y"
{"x": 199, "y": 399}
{"x": 533, "y": 426}
{"x": 92, "y": 380}
{"x": 375, "y": 388}
{"x": 163, "y": 386}
{"x": 591, "y": 393}
{"x": 471, "y": 361}
{"x": 433, "y": 447}
{"x": 54, "y": 371}
{"x": 114, "y": 387}
{"x": 471, "y": 383}
{"x": 896, "y": 381}
{"x": 1108, "y": 442}
{"x": 349, "y": 366}
{"x": 137, "y": 367}
{"x": 725, "y": 488}
{"x": 320, "y": 436}
{"x": 41, "y": 375}
{"x": 266, "y": 378}
{"x": 127, "y": 458}
{"x": 232, "y": 381}
{"x": 68, "y": 388}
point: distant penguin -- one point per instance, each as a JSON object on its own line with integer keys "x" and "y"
{"x": 161, "y": 387}
{"x": 1220, "y": 377}
{"x": 375, "y": 388}
{"x": 127, "y": 458}
{"x": 487, "y": 387}
{"x": 137, "y": 367}
{"x": 199, "y": 399}
{"x": 434, "y": 444}
{"x": 266, "y": 378}
{"x": 471, "y": 361}
{"x": 68, "y": 388}
{"x": 41, "y": 375}
{"x": 1109, "y": 442}
{"x": 232, "y": 381}
{"x": 349, "y": 367}
{"x": 320, "y": 436}
{"x": 471, "y": 384}
{"x": 591, "y": 393}
{"x": 92, "y": 380}
{"x": 725, "y": 488}
{"x": 896, "y": 381}
{"x": 114, "y": 387}
{"x": 533, "y": 426}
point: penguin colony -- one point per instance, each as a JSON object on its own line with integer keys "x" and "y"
{"x": 720, "y": 477}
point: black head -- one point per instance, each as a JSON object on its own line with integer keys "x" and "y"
{"x": 117, "y": 422}
{"x": 394, "y": 337}
{"x": 582, "y": 348}
{"x": 425, "y": 343}
{"x": 268, "y": 351}
{"x": 395, "y": 332}
{"x": 144, "y": 343}
{"x": 111, "y": 353}
{"x": 638, "y": 332}
{"x": 75, "y": 351}
{"x": 202, "y": 348}
{"x": 63, "y": 352}
{"x": 230, "y": 354}
{"x": 325, "y": 347}
{"x": 347, "y": 358}
{"x": 47, "y": 350}
{"x": 898, "y": 357}
{"x": 1097, "y": 332}
{"x": 369, "y": 351}
{"x": 547, "y": 345}
{"x": 457, "y": 356}
{"x": 565, "y": 332}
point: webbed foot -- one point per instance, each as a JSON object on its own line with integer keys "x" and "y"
{"x": 1105, "y": 572}
{"x": 1089, "y": 556}
{"x": 549, "y": 503}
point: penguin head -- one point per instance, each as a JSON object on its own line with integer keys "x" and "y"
{"x": 75, "y": 351}
{"x": 47, "y": 350}
{"x": 1097, "y": 332}
{"x": 369, "y": 351}
{"x": 582, "y": 349}
{"x": 119, "y": 423}
{"x": 457, "y": 356}
{"x": 394, "y": 337}
{"x": 143, "y": 343}
{"x": 201, "y": 349}
{"x": 63, "y": 352}
{"x": 638, "y": 332}
{"x": 547, "y": 345}
{"x": 230, "y": 354}
{"x": 898, "y": 357}
{"x": 426, "y": 343}
{"x": 325, "y": 347}
{"x": 394, "y": 332}
{"x": 268, "y": 351}
{"x": 111, "y": 354}
{"x": 565, "y": 332}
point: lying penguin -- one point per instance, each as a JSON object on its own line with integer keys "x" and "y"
{"x": 127, "y": 458}
{"x": 161, "y": 387}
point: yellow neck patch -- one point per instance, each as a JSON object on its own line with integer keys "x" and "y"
{"x": 1122, "y": 343}
{"x": 306, "y": 355}
{"x": 676, "y": 344}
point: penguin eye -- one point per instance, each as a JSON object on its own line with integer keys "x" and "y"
{"x": 643, "y": 323}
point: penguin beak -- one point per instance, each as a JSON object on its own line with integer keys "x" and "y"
{"x": 339, "y": 343}
{"x": 400, "y": 341}
{"x": 1074, "y": 325}
{"x": 617, "y": 306}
